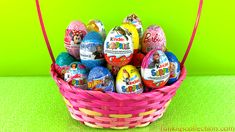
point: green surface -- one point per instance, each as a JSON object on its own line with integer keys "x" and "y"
{"x": 35, "y": 104}
{"x": 23, "y": 51}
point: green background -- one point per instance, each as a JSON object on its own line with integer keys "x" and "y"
{"x": 23, "y": 51}
{"x": 30, "y": 99}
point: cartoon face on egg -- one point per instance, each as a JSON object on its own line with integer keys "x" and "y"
{"x": 76, "y": 75}
{"x": 74, "y": 34}
{"x": 91, "y": 50}
{"x": 128, "y": 80}
{"x": 155, "y": 69}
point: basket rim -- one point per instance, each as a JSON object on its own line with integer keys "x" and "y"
{"x": 120, "y": 96}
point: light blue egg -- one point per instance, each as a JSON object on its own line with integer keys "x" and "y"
{"x": 174, "y": 67}
{"x": 91, "y": 50}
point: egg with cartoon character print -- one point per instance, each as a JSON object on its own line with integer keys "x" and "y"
{"x": 174, "y": 67}
{"x": 76, "y": 75}
{"x": 155, "y": 69}
{"x": 128, "y": 80}
{"x": 118, "y": 47}
{"x": 91, "y": 50}
{"x": 98, "y": 26}
{"x": 74, "y": 34}
{"x": 100, "y": 79}
{"x": 134, "y": 19}
{"x": 153, "y": 38}
{"x": 134, "y": 34}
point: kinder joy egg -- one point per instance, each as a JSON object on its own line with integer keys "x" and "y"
{"x": 76, "y": 75}
{"x": 174, "y": 67}
{"x": 153, "y": 38}
{"x": 135, "y": 36}
{"x": 63, "y": 61}
{"x": 100, "y": 79}
{"x": 137, "y": 60}
{"x": 113, "y": 69}
{"x": 91, "y": 50}
{"x": 128, "y": 80}
{"x": 118, "y": 47}
{"x": 98, "y": 26}
{"x": 155, "y": 69}
{"x": 133, "y": 19}
{"x": 74, "y": 34}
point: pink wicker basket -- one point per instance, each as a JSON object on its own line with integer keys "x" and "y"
{"x": 113, "y": 110}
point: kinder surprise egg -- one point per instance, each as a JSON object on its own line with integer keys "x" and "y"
{"x": 76, "y": 75}
{"x": 137, "y": 60}
{"x": 113, "y": 69}
{"x": 153, "y": 38}
{"x": 118, "y": 47}
{"x": 63, "y": 61}
{"x": 98, "y": 26}
{"x": 155, "y": 69}
{"x": 133, "y": 19}
{"x": 100, "y": 79}
{"x": 135, "y": 36}
{"x": 128, "y": 80}
{"x": 174, "y": 67}
{"x": 73, "y": 37}
{"x": 91, "y": 50}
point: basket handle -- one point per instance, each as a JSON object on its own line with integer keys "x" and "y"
{"x": 182, "y": 62}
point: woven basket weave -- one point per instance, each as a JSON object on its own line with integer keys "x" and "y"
{"x": 113, "y": 110}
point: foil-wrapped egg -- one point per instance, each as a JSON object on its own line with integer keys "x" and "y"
{"x": 153, "y": 38}
{"x": 98, "y": 26}
{"x": 128, "y": 80}
{"x": 63, "y": 60}
{"x": 100, "y": 79}
{"x": 91, "y": 50}
{"x": 174, "y": 67}
{"x": 113, "y": 69}
{"x": 155, "y": 69}
{"x": 74, "y": 34}
{"x": 134, "y": 34}
{"x": 76, "y": 75}
{"x": 134, "y": 19}
{"x": 118, "y": 47}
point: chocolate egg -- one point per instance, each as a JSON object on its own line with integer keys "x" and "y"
{"x": 74, "y": 34}
{"x": 153, "y": 38}
{"x": 118, "y": 47}
{"x": 63, "y": 60}
{"x": 91, "y": 50}
{"x": 134, "y": 34}
{"x": 128, "y": 80}
{"x": 137, "y": 60}
{"x": 174, "y": 67}
{"x": 113, "y": 69}
{"x": 76, "y": 75}
{"x": 133, "y": 19}
{"x": 100, "y": 79}
{"x": 155, "y": 69}
{"x": 98, "y": 26}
